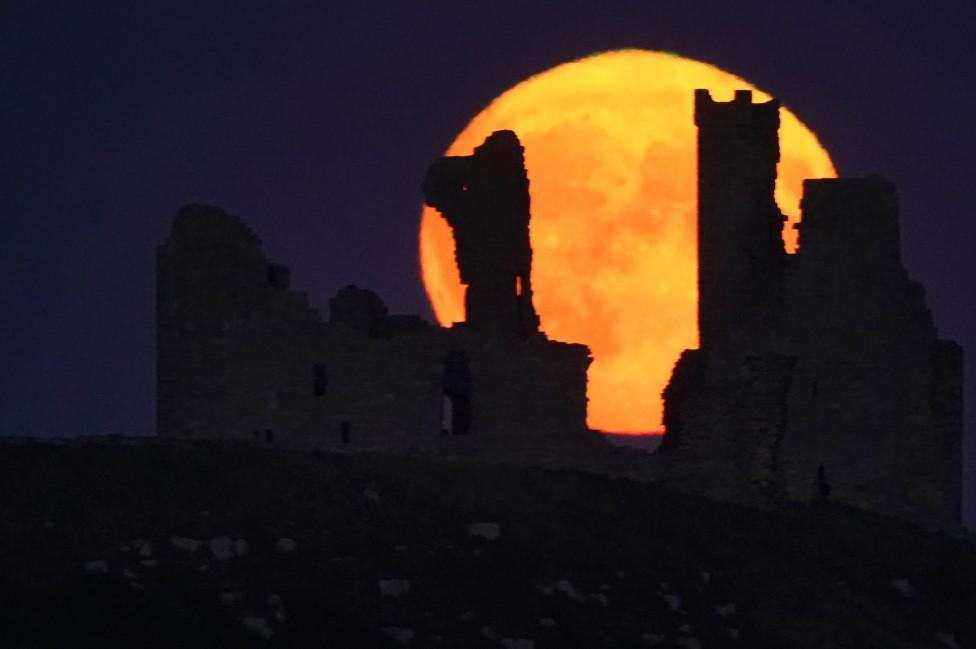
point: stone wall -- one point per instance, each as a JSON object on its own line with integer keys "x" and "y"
{"x": 725, "y": 433}
{"x": 233, "y": 342}
{"x": 241, "y": 356}
{"x": 862, "y": 406}
{"x": 485, "y": 199}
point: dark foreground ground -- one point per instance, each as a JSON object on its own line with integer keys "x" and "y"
{"x": 123, "y": 544}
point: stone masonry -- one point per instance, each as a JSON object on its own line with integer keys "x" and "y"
{"x": 485, "y": 199}
{"x": 241, "y": 356}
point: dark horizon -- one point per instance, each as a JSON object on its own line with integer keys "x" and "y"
{"x": 315, "y": 125}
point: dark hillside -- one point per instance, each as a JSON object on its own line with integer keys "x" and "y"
{"x": 144, "y": 544}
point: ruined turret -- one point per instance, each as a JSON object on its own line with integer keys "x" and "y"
{"x": 819, "y": 374}
{"x": 740, "y": 244}
{"x": 485, "y": 199}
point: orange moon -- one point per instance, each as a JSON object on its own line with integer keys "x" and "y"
{"x": 610, "y": 147}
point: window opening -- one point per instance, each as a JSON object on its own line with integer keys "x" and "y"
{"x": 319, "y": 380}
{"x": 456, "y": 403}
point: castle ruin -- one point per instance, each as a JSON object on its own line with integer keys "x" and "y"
{"x": 241, "y": 356}
{"x": 485, "y": 199}
{"x": 818, "y": 374}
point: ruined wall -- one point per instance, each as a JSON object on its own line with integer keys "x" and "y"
{"x": 819, "y": 372}
{"x": 241, "y": 356}
{"x": 235, "y": 346}
{"x": 945, "y": 435}
{"x": 862, "y": 405}
{"x": 485, "y": 199}
{"x": 548, "y": 377}
{"x": 391, "y": 391}
{"x": 725, "y": 431}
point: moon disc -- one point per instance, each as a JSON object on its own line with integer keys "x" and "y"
{"x": 610, "y": 147}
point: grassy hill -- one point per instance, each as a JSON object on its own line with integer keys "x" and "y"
{"x": 145, "y": 544}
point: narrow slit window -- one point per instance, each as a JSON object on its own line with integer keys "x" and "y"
{"x": 456, "y": 408}
{"x": 319, "y": 379}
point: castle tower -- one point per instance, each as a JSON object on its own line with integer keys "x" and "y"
{"x": 485, "y": 199}
{"x": 877, "y": 395}
{"x": 740, "y": 246}
{"x": 820, "y": 375}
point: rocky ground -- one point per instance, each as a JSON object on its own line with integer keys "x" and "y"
{"x": 142, "y": 544}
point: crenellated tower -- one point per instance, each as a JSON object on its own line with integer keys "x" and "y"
{"x": 740, "y": 246}
{"x": 819, "y": 375}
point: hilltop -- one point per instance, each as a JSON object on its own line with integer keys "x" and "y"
{"x": 141, "y": 543}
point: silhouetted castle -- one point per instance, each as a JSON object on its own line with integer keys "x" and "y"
{"x": 818, "y": 374}
{"x": 242, "y": 356}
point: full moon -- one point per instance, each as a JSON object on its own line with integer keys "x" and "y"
{"x": 610, "y": 147}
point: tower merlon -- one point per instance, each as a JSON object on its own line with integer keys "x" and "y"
{"x": 741, "y": 112}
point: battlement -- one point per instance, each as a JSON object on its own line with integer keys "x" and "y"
{"x": 740, "y": 113}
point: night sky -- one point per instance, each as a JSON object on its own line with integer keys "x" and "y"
{"x": 316, "y": 121}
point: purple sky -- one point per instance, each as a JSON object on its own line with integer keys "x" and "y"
{"x": 315, "y": 123}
